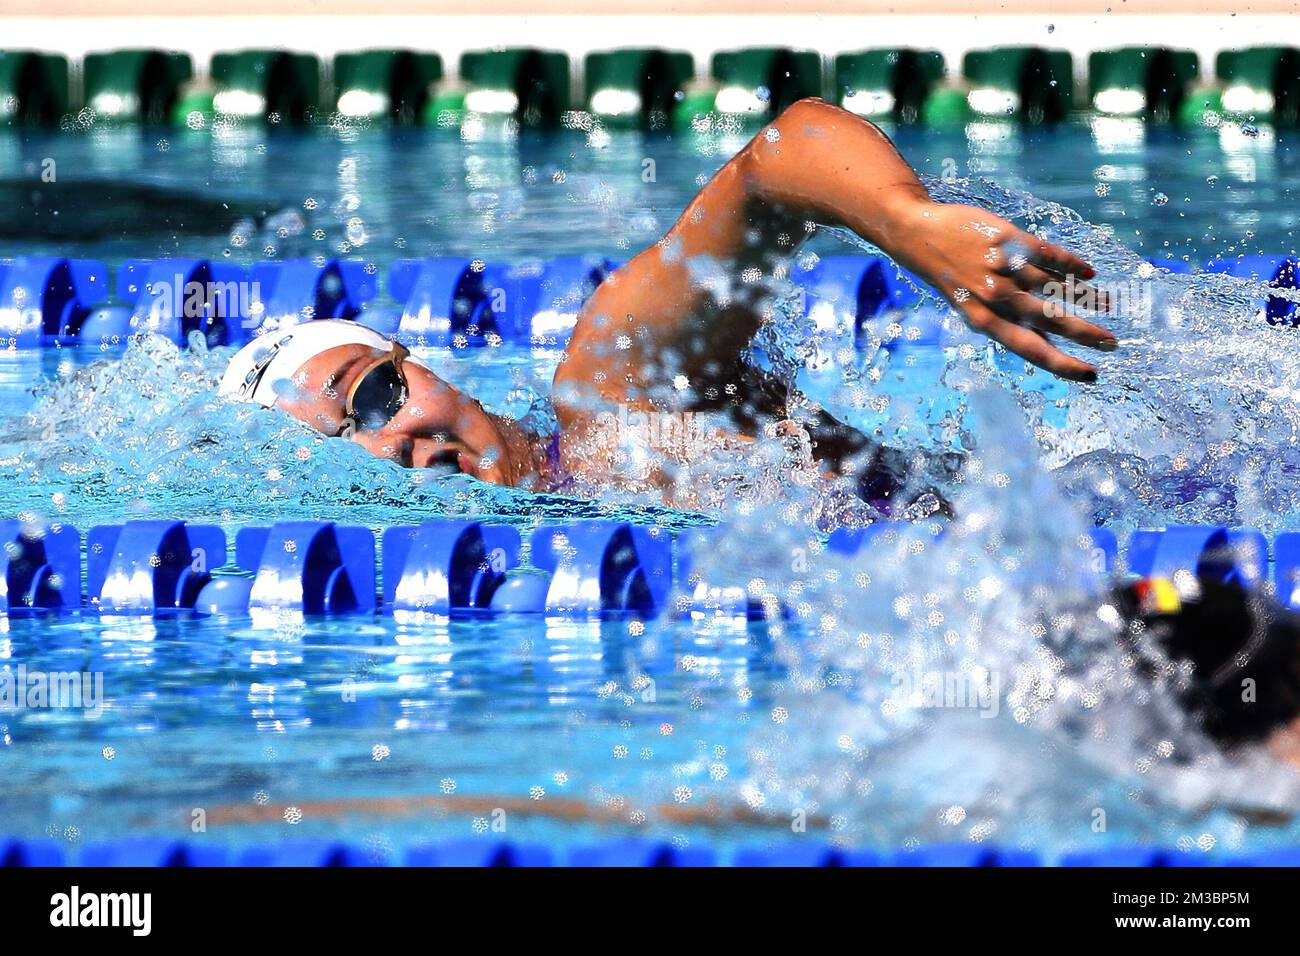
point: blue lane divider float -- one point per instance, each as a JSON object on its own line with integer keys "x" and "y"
{"x": 851, "y": 541}
{"x": 312, "y": 567}
{"x": 1286, "y": 568}
{"x": 641, "y": 853}
{"x": 605, "y": 567}
{"x": 965, "y": 855}
{"x": 1104, "y": 551}
{"x": 225, "y": 594}
{"x": 860, "y": 287}
{"x": 175, "y": 297}
{"x": 1135, "y": 856}
{"x": 447, "y": 566}
{"x": 442, "y": 298}
{"x": 42, "y": 568}
{"x": 522, "y": 592}
{"x": 568, "y": 283}
{"x": 476, "y": 853}
{"x": 700, "y": 597}
{"x": 450, "y": 301}
{"x": 152, "y": 851}
{"x": 299, "y": 290}
{"x": 624, "y": 852}
{"x": 1276, "y": 271}
{"x": 1209, "y": 551}
{"x": 30, "y": 853}
{"x": 803, "y": 855}
{"x": 44, "y": 299}
{"x": 310, "y": 853}
{"x": 460, "y": 302}
{"x": 539, "y": 302}
{"x": 144, "y": 567}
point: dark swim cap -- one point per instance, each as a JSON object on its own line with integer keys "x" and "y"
{"x": 1243, "y": 648}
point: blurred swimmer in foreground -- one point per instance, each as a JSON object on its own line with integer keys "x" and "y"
{"x": 668, "y": 336}
{"x": 1229, "y": 653}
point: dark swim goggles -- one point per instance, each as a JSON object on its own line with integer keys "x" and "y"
{"x": 378, "y": 393}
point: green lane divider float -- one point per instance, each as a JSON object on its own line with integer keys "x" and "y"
{"x": 887, "y": 84}
{"x": 649, "y": 88}
{"x": 947, "y": 105}
{"x": 1150, "y": 82}
{"x": 1203, "y": 106}
{"x": 1030, "y": 84}
{"x": 526, "y": 84}
{"x": 752, "y": 84}
{"x": 194, "y": 106}
{"x": 445, "y": 106}
{"x": 1261, "y": 83}
{"x": 135, "y": 86}
{"x": 273, "y": 86}
{"x": 33, "y": 88}
{"x": 390, "y": 85}
{"x": 636, "y": 87}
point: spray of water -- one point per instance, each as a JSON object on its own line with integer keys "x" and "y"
{"x": 970, "y": 687}
{"x": 1193, "y": 420}
{"x": 1195, "y": 417}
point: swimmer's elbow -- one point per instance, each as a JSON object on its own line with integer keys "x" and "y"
{"x": 813, "y": 116}
{"x": 786, "y": 161}
{"x": 810, "y": 108}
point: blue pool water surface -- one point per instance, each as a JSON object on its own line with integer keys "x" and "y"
{"x": 387, "y": 734}
{"x": 383, "y": 194}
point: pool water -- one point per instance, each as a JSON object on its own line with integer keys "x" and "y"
{"x": 388, "y": 194}
{"x": 705, "y": 731}
{"x": 345, "y": 720}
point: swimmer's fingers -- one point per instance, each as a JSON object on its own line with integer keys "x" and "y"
{"x": 1071, "y": 291}
{"x": 1050, "y": 316}
{"x": 1053, "y": 258}
{"x": 1007, "y": 298}
{"x": 1030, "y": 345}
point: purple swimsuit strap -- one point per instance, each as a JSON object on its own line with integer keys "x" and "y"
{"x": 553, "y": 456}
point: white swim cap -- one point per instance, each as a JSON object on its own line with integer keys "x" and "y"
{"x": 260, "y": 371}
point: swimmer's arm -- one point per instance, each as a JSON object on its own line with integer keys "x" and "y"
{"x": 818, "y": 163}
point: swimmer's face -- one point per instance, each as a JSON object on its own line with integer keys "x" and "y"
{"x": 437, "y": 424}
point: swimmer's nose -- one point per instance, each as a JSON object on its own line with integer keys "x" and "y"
{"x": 427, "y": 453}
{"x": 406, "y": 451}
{"x": 383, "y": 446}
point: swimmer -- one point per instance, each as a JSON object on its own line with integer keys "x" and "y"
{"x": 1202, "y": 638}
{"x": 668, "y": 335}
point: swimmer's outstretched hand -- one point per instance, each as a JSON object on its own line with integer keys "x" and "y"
{"x": 818, "y": 163}
{"x": 1013, "y": 287}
